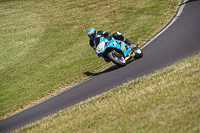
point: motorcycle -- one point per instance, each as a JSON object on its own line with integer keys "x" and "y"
{"x": 116, "y": 51}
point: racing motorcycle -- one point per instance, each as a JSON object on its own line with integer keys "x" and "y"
{"x": 116, "y": 51}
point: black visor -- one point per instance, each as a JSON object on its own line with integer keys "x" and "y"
{"x": 92, "y": 35}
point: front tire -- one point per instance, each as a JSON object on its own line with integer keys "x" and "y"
{"x": 138, "y": 53}
{"x": 116, "y": 58}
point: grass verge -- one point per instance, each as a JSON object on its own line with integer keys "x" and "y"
{"x": 166, "y": 101}
{"x": 44, "y": 46}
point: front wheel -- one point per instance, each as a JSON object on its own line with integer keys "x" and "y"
{"x": 116, "y": 58}
{"x": 138, "y": 53}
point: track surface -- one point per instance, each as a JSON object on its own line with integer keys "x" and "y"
{"x": 179, "y": 41}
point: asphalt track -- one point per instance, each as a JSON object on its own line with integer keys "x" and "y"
{"x": 180, "y": 40}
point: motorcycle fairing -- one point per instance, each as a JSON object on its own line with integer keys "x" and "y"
{"x": 111, "y": 43}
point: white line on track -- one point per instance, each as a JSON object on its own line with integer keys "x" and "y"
{"x": 180, "y": 10}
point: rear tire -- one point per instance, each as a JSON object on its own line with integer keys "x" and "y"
{"x": 116, "y": 58}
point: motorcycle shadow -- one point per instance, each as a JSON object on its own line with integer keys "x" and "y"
{"x": 112, "y": 68}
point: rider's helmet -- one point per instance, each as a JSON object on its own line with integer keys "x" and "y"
{"x": 92, "y": 33}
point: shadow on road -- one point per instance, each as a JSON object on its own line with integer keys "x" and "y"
{"x": 112, "y": 68}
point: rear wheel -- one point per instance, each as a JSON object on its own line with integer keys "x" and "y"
{"x": 116, "y": 58}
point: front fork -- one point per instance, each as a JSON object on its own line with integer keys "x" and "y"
{"x": 130, "y": 55}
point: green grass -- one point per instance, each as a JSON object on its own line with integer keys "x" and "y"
{"x": 44, "y": 46}
{"x": 166, "y": 101}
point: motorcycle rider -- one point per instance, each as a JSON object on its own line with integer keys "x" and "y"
{"x": 95, "y": 35}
